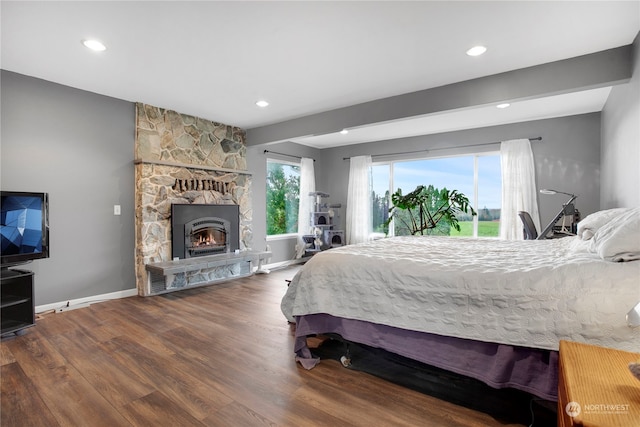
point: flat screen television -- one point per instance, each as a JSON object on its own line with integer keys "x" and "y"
{"x": 24, "y": 227}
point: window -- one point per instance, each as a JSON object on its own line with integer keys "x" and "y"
{"x": 283, "y": 188}
{"x": 477, "y": 176}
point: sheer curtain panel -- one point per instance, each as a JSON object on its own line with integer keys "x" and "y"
{"x": 518, "y": 187}
{"x": 358, "y": 225}
{"x": 307, "y": 185}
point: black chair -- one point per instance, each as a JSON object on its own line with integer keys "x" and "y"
{"x": 529, "y": 228}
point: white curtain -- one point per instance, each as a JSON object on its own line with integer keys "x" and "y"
{"x": 305, "y": 205}
{"x": 518, "y": 188}
{"x": 358, "y": 225}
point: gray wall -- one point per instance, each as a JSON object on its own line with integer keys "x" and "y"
{"x": 620, "y": 165}
{"x": 78, "y": 147}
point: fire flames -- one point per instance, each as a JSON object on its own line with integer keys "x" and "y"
{"x": 206, "y": 239}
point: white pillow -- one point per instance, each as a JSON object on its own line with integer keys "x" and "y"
{"x": 588, "y": 226}
{"x": 619, "y": 239}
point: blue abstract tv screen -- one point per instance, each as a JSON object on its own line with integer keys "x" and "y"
{"x": 23, "y": 226}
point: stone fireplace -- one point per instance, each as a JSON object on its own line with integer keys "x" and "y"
{"x": 183, "y": 160}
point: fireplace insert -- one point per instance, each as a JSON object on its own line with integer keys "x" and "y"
{"x": 206, "y": 236}
{"x": 200, "y": 230}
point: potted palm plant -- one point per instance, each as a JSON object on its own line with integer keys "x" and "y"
{"x": 427, "y": 210}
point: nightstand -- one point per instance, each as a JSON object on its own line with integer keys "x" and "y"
{"x": 596, "y": 388}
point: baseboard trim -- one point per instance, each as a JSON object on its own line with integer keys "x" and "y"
{"x": 132, "y": 292}
{"x": 86, "y": 300}
{"x": 283, "y": 264}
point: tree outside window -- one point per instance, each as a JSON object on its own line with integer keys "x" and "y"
{"x": 380, "y": 198}
{"x": 476, "y": 176}
{"x": 283, "y": 188}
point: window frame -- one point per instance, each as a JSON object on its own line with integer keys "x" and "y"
{"x": 475, "y": 155}
{"x": 282, "y": 236}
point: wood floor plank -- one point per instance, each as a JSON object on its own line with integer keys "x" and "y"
{"x": 21, "y": 403}
{"x": 261, "y": 399}
{"x": 114, "y": 381}
{"x": 236, "y": 414}
{"x": 156, "y": 409}
{"x": 6, "y": 356}
{"x": 35, "y": 354}
{"x": 166, "y": 376}
{"x": 218, "y": 355}
{"x": 243, "y": 381}
{"x": 74, "y": 401}
{"x": 122, "y": 322}
{"x": 56, "y": 323}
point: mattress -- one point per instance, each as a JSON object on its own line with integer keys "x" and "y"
{"x": 529, "y": 293}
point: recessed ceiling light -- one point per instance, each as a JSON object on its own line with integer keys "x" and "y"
{"x": 94, "y": 45}
{"x": 476, "y": 51}
{"x": 344, "y": 131}
{"x": 262, "y": 103}
{"x": 505, "y": 105}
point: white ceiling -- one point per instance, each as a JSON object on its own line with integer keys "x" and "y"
{"x": 215, "y": 59}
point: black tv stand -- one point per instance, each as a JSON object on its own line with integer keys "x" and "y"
{"x": 17, "y": 308}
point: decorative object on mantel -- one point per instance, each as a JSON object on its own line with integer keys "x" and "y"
{"x": 201, "y": 184}
{"x": 434, "y": 208}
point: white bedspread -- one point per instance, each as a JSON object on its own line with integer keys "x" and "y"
{"x": 528, "y": 293}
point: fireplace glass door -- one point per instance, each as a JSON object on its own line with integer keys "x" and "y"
{"x": 206, "y": 236}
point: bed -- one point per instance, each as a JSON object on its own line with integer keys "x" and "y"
{"x": 490, "y": 309}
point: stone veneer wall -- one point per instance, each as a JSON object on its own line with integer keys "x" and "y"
{"x": 184, "y": 159}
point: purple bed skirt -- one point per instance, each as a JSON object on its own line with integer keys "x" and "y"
{"x": 534, "y": 371}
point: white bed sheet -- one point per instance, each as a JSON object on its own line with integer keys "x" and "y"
{"x": 526, "y": 293}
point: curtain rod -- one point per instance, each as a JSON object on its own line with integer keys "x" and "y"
{"x": 537, "y": 138}
{"x": 283, "y": 154}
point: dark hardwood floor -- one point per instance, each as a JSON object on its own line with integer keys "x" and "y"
{"x": 219, "y": 355}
